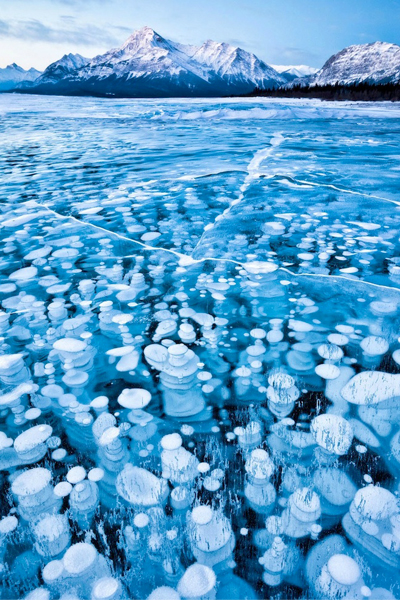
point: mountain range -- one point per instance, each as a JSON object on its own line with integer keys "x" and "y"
{"x": 290, "y": 72}
{"x": 148, "y": 65}
{"x": 376, "y": 63}
{"x": 12, "y": 75}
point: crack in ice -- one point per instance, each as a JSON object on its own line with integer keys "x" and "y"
{"x": 186, "y": 260}
{"x": 331, "y": 186}
{"x": 253, "y": 172}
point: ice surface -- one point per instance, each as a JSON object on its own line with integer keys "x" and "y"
{"x": 199, "y": 349}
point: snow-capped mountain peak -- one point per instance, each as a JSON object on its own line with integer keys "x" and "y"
{"x": 13, "y": 75}
{"x": 374, "y": 63}
{"x": 295, "y": 70}
{"x": 229, "y": 62}
{"x": 61, "y": 68}
{"x": 71, "y": 61}
{"x": 217, "y": 55}
{"x": 377, "y": 62}
{"x": 148, "y": 64}
{"x": 145, "y": 53}
{"x": 142, "y": 37}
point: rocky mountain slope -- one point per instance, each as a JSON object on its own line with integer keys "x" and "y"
{"x": 149, "y": 65}
{"x": 376, "y": 63}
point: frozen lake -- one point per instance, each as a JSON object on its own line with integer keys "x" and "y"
{"x": 200, "y": 310}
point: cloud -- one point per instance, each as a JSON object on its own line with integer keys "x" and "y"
{"x": 67, "y": 31}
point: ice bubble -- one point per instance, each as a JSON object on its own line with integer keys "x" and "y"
{"x": 122, "y": 351}
{"x": 8, "y": 524}
{"x": 32, "y": 414}
{"x": 69, "y": 345}
{"x": 38, "y": 594}
{"x": 164, "y": 593}
{"x": 335, "y": 486}
{"x": 203, "y": 467}
{"x": 172, "y": 441}
{"x": 338, "y": 339}
{"x": 11, "y": 398}
{"x": 374, "y": 345}
{"x": 180, "y": 498}
{"x": 31, "y": 482}
{"x": 100, "y": 403}
{"x": 24, "y": 274}
{"x": 333, "y": 433}
{"x": 211, "y": 484}
{"x": 128, "y": 362}
{"x": 202, "y": 515}
{"x": 344, "y": 569}
{"x": 256, "y": 267}
{"x": 396, "y": 356}
{"x": 327, "y": 371}
{"x": 305, "y": 505}
{"x": 59, "y": 454}
{"x": 259, "y": 465}
{"x": 141, "y": 520}
{"x": 52, "y": 534}
{"x": 96, "y": 474}
{"x": 5, "y": 442}
{"x": 197, "y": 581}
{"x": 28, "y": 441}
{"x": 300, "y": 326}
{"x": 74, "y": 378}
{"x": 62, "y": 489}
{"x": 106, "y": 588}
{"x": 76, "y": 474}
{"x": 371, "y": 387}
{"x": 39, "y": 253}
{"x": 134, "y": 398}
{"x": 8, "y": 362}
{"x": 109, "y": 435}
{"x": 375, "y": 503}
{"x": 79, "y": 558}
{"x": 330, "y": 352}
{"x": 140, "y": 487}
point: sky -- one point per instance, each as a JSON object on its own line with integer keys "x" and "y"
{"x": 34, "y": 33}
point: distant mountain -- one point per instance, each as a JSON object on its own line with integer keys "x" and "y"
{"x": 12, "y": 75}
{"x": 148, "y": 65}
{"x": 236, "y": 66}
{"x": 59, "y": 70}
{"x": 376, "y": 63}
{"x": 290, "y": 72}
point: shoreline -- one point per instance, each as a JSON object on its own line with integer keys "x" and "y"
{"x": 336, "y": 93}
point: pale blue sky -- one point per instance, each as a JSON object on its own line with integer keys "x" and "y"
{"x": 37, "y": 32}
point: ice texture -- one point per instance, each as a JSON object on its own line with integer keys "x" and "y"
{"x": 199, "y": 349}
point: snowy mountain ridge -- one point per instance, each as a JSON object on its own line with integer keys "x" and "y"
{"x": 374, "y": 63}
{"x": 61, "y": 68}
{"x": 13, "y": 74}
{"x": 294, "y": 71}
{"x": 149, "y": 65}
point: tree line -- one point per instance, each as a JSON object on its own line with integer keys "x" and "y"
{"x": 356, "y": 91}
